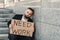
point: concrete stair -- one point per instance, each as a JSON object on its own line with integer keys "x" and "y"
{"x": 4, "y": 30}
{"x": 5, "y": 16}
{"x": 30, "y": 3}
{"x": 3, "y": 36}
{"x": 9, "y": 15}
{"x": 4, "y": 19}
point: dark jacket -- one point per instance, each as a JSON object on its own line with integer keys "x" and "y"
{"x": 16, "y": 37}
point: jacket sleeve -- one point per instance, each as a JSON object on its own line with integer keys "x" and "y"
{"x": 34, "y": 33}
{"x": 30, "y": 20}
{"x": 9, "y": 22}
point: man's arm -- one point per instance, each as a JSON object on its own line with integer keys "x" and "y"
{"x": 15, "y": 17}
{"x": 9, "y": 22}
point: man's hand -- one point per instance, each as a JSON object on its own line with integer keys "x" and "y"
{"x": 11, "y": 28}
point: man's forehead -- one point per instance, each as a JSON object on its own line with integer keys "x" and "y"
{"x": 28, "y": 10}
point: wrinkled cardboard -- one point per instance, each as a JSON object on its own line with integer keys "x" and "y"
{"x": 19, "y": 27}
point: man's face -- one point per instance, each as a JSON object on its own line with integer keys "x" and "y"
{"x": 28, "y": 13}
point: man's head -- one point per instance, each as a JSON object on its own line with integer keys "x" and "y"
{"x": 29, "y": 12}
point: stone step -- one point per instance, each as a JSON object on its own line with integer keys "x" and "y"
{"x": 4, "y": 30}
{"x": 4, "y": 36}
{"x": 4, "y": 39}
{"x": 4, "y": 19}
{"x": 3, "y": 24}
{"x": 7, "y": 15}
{"x": 4, "y": 10}
{"x": 33, "y": 2}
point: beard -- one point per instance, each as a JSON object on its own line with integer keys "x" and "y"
{"x": 26, "y": 17}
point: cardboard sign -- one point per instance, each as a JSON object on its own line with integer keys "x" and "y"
{"x": 19, "y": 27}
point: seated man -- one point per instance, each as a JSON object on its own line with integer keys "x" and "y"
{"x": 26, "y": 17}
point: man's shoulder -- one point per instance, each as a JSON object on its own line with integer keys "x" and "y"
{"x": 18, "y": 16}
{"x": 30, "y": 20}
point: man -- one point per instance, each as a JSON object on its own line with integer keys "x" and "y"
{"x": 26, "y": 17}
